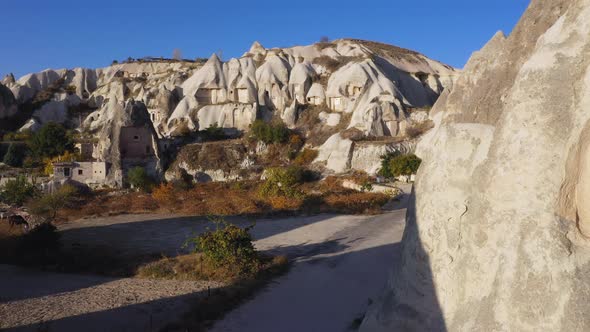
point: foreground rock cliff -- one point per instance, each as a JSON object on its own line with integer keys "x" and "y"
{"x": 498, "y": 239}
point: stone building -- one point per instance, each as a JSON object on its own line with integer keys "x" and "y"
{"x": 90, "y": 173}
{"x": 136, "y": 143}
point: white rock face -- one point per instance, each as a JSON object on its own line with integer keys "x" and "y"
{"x": 497, "y": 237}
{"x": 375, "y": 82}
{"x": 127, "y": 136}
{"x": 336, "y": 153}
{"x": 342, "y": 155}
{"x": 367, "y": 156}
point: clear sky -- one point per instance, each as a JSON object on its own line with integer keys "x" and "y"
{"x": 39, "y": 34}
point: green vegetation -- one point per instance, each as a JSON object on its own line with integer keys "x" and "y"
{"x": 395, "y": 164}
{"x": 139, "y": 179}
{"x": 227, "y": 245}
{"x": 225, "y": 254}
{"x": 270, "y": 133}
{"x": 17, "y": 191}
{"x": 15, "y": 155}
{"x": 213, "y": 133}
{"x": 50, "y": 141}
{"x": 283, "y": 181}
{"x": 305, "y": 157}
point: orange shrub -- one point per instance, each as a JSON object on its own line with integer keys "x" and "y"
{"x": 305, "y": 157}
{"x": 165, "y": 195}
{"x": 285, "y": 203}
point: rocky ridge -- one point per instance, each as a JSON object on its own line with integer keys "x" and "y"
{"x": 373, "y": 88}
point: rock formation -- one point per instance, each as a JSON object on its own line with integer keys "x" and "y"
{"x": 126, "y": 136}
{"x": 325, "y": 88}
{"x": 8, "y": 106}
{"x": 497, "y": 235}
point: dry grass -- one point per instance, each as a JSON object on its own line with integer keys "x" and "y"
{"x": 420, "y": 129}
{"x": 323, "y": 45}
{"x": 196, "y": 267}
{"x": 309, "y": 122}
{"x": 356, "y": 202}
{"x": 225, "y": 199}
{"x": 110, "y": 203}
{"x": 333, "y": 64}
{"x": 305, "y": 157}
{"x": 220, "y": 301}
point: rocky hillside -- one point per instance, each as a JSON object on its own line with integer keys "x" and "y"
{"x": 374, "y": 89}
{"x": 498, "y": 237}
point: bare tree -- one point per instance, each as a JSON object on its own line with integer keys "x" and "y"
{"x": 324, "y": 39}
{"x": 177, "y": 54}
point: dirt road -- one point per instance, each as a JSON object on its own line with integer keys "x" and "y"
{"x": 341, "y": 263}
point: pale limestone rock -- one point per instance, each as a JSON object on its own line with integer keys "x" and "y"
{"x": 336, "y": 153}
{"x": 316, "y": 94}
{"x": 330, "y": 119}
{"x": 127, "y": 136}
{"x": 300, "y": 80}
{"x": 238, "y": 116}
{"x": 496, "y": 236}
{"x": 209, "y": 77}
{"x": 366, "y": 156}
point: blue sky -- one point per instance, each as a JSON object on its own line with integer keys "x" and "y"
{"x": 39, "y": 34}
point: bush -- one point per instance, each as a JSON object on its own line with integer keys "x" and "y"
{"x": 228, "y": 245}
{"x": 48, "y": 205}
{"x": 139, "y": 179}
{"x": 51, "y": 140}
{"x": 305, "y": 157}
{"x": 269, "y": 133}
{"x": 394, "y": 165}
{"x": 165, "y": 195}
{"x": 283, "y": 181}
{"x": 17, "y": 191}
{"x": 214, "y": 133}
{"x": 14, "y": 156}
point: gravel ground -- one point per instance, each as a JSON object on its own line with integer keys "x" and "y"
{"x": 35, "y": 301}
{"x": 340, "y": 262}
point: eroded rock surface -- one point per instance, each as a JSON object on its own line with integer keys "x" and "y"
{"x": 498, "y": 237}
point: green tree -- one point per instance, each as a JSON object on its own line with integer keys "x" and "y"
{"x": 17, "y": 191}
{"x": 14, "y": 155}
{"x": 138, "y": 178}
{"x": 51, "y": 140}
